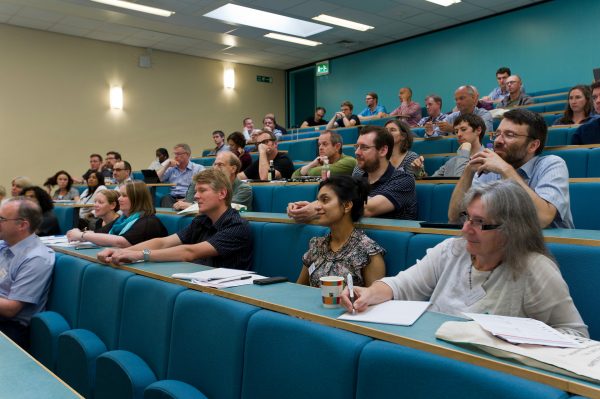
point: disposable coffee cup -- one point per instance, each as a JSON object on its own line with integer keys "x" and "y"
{"x": 331, "y": 290}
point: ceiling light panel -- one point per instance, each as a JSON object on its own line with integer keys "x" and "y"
{"x": 292, "y": 39}
{"x": 136, "y": 7}
{"x": 266, "y": 20}
{"x": 328, "y": 19}
{"x": 444, "y": 3}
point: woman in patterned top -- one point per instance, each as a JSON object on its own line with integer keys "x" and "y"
{"x": 340, "y": 203}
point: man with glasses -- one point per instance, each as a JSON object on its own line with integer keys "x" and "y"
{"x": 112, "y": 157}
{"x": 330, "y": 149}
{"x": 179, "y": 171}
{"x": 267, "y": 151}
{"x": 316, "y": 120}
{"x": 121, "y": 173}
{"x": 518, "y": 143}
{"x": 392, "y": 193}
{"x": 25, "y": 268}
{"x": 516, "y": 97}
{"x": 344, "y": 118}
{"x": 373, "y": 110}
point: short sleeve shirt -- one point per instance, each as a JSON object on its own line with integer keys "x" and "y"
{"x": 367, "y": 111}
{"x": 340, "y": 122}
{"x": 311, "y": 121}
{"x": 146, "y": 228}
{"x": 230, "y": 235}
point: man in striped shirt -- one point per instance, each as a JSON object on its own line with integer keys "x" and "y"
{"x": 217, "y": 237}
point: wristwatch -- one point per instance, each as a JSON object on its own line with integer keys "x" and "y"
{"x": 146, "y": 253}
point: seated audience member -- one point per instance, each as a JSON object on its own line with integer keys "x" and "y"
{"x": 18, "y": 184}
{"x": 95, "y": 166}
{"x": 267, "y": 151}
{"x": 27, "y": 268}
{"x": 579, "y": 107}
{"x": 466, "y": 99}
{"x": 179, "y": 171}
{"x": 402, "y": 156}
{"x": 237, "y": 145}
{"x": 217, "y": 237}
{"x": 230, "y": 165}
{"x": 516, "y": 97}
{"x": 433, "y": 103}
{"x": 588, "y": 133}
{"x": 162, "y": 155}
{"x": 316, "y": 119}
{"x": 248, "y": 129}
{"x": 500, "y": 92}
{"x": 219, "y": 139}
{"x": 470, "y": 130}
{"x": 49, "y": 225}
{"x": 137, "y": 223}
{"x": 122, "y": 173}
{"x": 344, "y": 118}
{"x": 65, "y": 190}
{"x": 330, "y": 149}
{"x": 408, "y": 110}
{"x": 2, "y": 194}
{"x": 106, "y": 208}
{"x": 595, "y": 88}
{"x": 373, "y": 109}
{"x": 392, "y": 193}
{"x": 95, "y": 183}
{"x": 518, "y": 143}
{"x": 345, "y": 250}
{"x": 271, "y": 125}
{"x": 501, "y": 254}
{"x": 112, "y": 157}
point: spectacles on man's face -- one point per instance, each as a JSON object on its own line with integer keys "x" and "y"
{"x": 265, "y": 141}
{"x": 363, "y": 147}
{"x": 507, "y": 135}
{"x": 477, "y": 223}
{"x": 3, "y": 219}
{"x": 118, "y": 170}
{"x": 179, "y": 154}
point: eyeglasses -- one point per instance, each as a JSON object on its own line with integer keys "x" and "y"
{"x": 118, "y": 169}
{"x": 2, "y": 220}
{"x": 363, "y": 147}
{"x": 265, "y": 141}
{"x": 511, "y": 82}
{"x": 477, "y": 223}
{"x": 507, "y": 135}
{"x": 178, "y": 154}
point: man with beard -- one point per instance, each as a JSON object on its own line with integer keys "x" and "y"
{"x": 518, "y": 142}
{"x": 392, "y": 193}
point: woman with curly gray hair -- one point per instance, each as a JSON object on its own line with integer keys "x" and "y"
{"x": 499, "y": 266}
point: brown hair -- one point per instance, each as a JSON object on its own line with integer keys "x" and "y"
{"x": 140, "y": 197}
{"x": 112, "y": 196}
{"x": 216, "y": 180}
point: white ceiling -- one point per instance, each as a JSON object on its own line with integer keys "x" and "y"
{"x": 188, "y": 32}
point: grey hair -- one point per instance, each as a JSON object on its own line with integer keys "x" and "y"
{"x": 508, "y": 205}
{"x": 30, "y": 211}
{"x": 185, "y": 147}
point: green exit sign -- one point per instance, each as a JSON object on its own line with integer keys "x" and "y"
{"x": 322, "y": 68}
{"x": 264, "y": 79}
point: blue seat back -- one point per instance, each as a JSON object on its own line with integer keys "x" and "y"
{"x": 584, "y": 200}
{"x": 262, "y": 197}
{"x": 576, "y": 160}
{"x": 384, "y": 369}
{"x": 349, "y": 134}
{"x": 424, "y": 198}
{"x": 146, "y": 320}
{"x": 396, "y": 246}
{"x": 65, "y": 291}
{"x": 170, "y": 221}
{"x": 283, "y": 195}
{"x": 434, "y": 163}
{"x": 303, "y": 150}
{"x": 102, "y": 301}
{"x": 440, "y": 201}
{"x": 419, "y": 244}
{"x": 202, "y": 321}
{"x": 433, "y": 146}
{"x": 593, "y": 167}
{"x": 557, "y": 136}
{"x": 65, "y": 216}
{"x": 273, "y": 361}
{"x": 349, "y": 150}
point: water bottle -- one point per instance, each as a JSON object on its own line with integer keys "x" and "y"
{"x": 325, "y": 169}
{"x": 271, "y": 174}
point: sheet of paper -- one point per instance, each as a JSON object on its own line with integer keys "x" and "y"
{"x": 62, "y": 241}
{"x": 212, "y": 274}
{"x": 400, "y": 313}
{"x": 521, "y": 330}
{"x": 228, "y": 283}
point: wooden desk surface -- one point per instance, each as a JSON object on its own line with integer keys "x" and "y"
{"x": 22, "y": 376}
{"x": 305, "y": 302}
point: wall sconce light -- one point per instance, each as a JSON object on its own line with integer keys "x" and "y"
{"x": 229, "y": 78}
{"x": 116, "y": 97}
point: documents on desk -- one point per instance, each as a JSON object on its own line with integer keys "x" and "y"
{"x": 220, "y": 277}
{"x": 580, "y": 362}
{"x": 400, "y": 313}
{"x": 63, "y": 242}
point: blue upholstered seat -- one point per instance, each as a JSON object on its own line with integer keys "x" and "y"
{"x": 440, "y": 201}
{"x": 396, "y": 245}
{"x": 303, "y": 150}
{"x": 170, "y": 221}
{"x": 593, "y": 167}
{"x": 283, "y": 195}
{"x": 284, "y": 353}
{"x": 584, "y": 201}
{"x": 262, "y": 197}
{"x": 418, "y": 245}
{"x": 424, "y": 198}
{"x": 576, "y": 160}
{"x": 387, "y": 370}
{"x": 433, "y": 146}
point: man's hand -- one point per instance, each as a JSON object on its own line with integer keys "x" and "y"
{"x": 262, "y": 149}
{"x": 445, "y": 127}
{"x": 428, "y": 128}
{"x": 119, "y": 256}
{"x": 302, "y": 211}
{"x": 105, "y": 255}
{"x": 172, "y": 163}
{"x": 181, "y": 205}
{"x": 488, "y": 161}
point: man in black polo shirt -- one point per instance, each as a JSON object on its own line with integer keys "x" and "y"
{"x": 218, "y": 237}
{"x": 393, "y": 194}
{"x": 267, "y": 151}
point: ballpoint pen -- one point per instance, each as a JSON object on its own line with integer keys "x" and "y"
{"x": 350, "y": 290}
{"x": 226, "y": 280}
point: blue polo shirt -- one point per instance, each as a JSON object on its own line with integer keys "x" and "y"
{"x": 367, "y": 111}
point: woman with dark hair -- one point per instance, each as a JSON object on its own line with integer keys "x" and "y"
{"x": 402, "y": 157}
{"x": 65, "y": 190}
{"x": 579, "y": 107}
{"x": 340, "y": 203}
{"x": 237, "y": 143}
{"x": 95, "y": 183}
{"x": 137, "y": 224}
{"x": 499, "y": 266}
{"x": 49, "y": 226}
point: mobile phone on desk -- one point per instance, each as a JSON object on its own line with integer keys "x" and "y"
{"x": 270, "y": 280}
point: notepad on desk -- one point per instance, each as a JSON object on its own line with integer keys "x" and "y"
{"x": 400, "y": 313}
{"x": 212, "y": 274}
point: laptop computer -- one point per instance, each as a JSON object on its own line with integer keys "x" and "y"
{"x": 150, "y": 176}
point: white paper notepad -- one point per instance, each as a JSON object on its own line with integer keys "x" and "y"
{"x": 400, "y": 313}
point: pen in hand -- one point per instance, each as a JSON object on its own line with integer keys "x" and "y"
{"x": 350, "y": 290}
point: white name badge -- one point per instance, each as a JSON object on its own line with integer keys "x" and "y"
{"x": 475, "y": 295}
{"x": 312, "y": 268}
